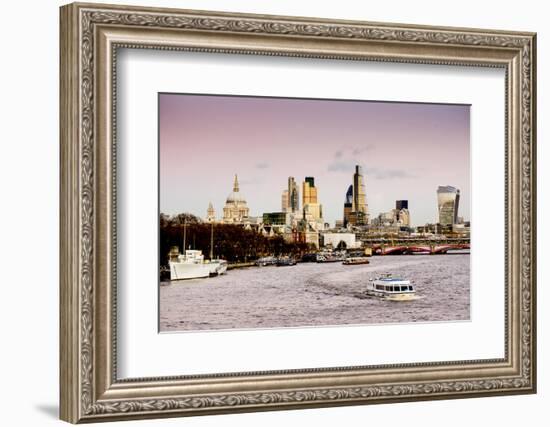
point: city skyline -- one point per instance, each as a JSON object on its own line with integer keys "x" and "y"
{"x": 406, "y": 151}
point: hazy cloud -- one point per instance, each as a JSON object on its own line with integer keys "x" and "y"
{"x": 346, "y": 158}
{"x": 250, "y": 181}
{"x": 342, "y": 166}
{"x": 348, "y": 166}
{"x": 351, "y": 151}
{"x": 388, "y": 174}
{"x": 360, "y": 150}
{"x": 262, "y": 165}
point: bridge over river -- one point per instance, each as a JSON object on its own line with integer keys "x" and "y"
{"x": 416, "y": 246}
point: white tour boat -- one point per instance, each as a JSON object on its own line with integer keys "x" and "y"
{"x": 391, "y": 288}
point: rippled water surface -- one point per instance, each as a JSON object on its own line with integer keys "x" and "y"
{"x": 311, "y": 294}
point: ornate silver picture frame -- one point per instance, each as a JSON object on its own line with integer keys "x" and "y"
{"x": 91, "y": 35}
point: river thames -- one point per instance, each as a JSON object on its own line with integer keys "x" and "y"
{"x": 316, "y": 294}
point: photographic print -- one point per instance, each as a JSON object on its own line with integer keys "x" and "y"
{"x": 291, "y": 212}
{"x": 301, "y": 207}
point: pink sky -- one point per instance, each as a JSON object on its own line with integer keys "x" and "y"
{"x": 406, "y": 151}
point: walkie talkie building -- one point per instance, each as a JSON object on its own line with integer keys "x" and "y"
{"x": 447, "y": 204}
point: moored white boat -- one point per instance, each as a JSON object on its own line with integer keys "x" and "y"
{"x": 192, "y": 265}
{"x": 391, "y": 288}
{"x": 285, "y": 261}
{"x": 330, "y": 256}
{"x": 217, "y": 267}
{"x": 356, "y": 260}
{"x": 189, "y": 265}
{"x": 265, "y": 261}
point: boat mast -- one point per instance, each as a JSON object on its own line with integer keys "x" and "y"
{"x": 212, "y": 241}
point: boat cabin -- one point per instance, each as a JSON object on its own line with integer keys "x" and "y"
{"x": 391, "y": 288}
{"x": 394, "y": 287}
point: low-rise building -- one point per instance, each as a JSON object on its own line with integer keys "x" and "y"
{"x": 276, "y": 218}
{"x": 340, "y": 240}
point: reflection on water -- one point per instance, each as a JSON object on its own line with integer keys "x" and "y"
{"x": 311, "y": 294}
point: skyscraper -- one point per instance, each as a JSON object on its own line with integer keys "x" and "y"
{"x": 284, "y": 201}
{"x": 359, "y": 203}
{"x": 309, "y": 192}
{"x": 293, "y": 195}
{"x": 402, "y": 212}
{"x": 312, "y": 209}
{"x": 356, "y": 211}
{"x": 348, "y": 203}
{"x": 447, "y": 204}
{"x": 401, "y": 204}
